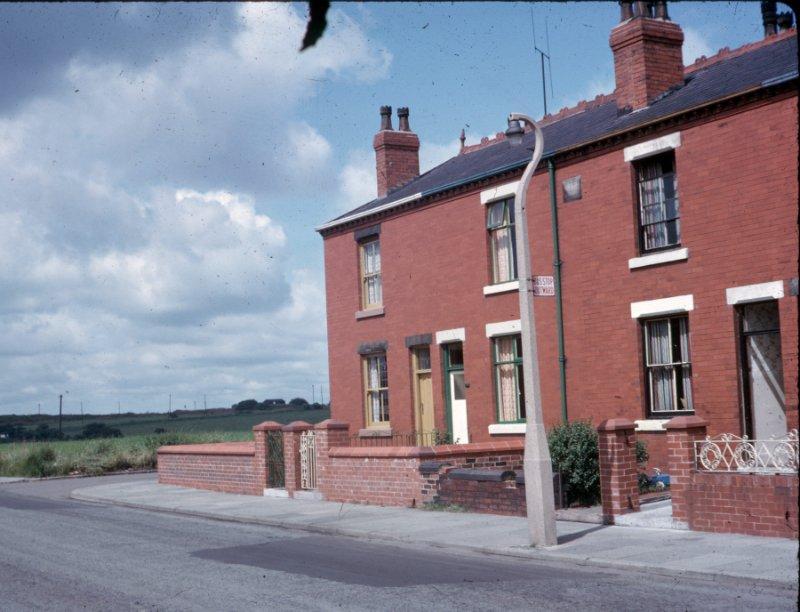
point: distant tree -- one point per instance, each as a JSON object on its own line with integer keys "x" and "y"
{"x": 315, "y": 406}
{"x": 99, "y": 430}
{"x": 298, "y": 401}
{"x": 44, "y": 432}
{"x": 244, "y": 405}
{"x": 271, "y": 403}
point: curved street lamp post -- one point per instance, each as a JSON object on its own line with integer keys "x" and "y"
{"x": 537, "y": 464}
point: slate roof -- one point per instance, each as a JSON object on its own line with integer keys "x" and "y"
{"x": 758, "y": 68}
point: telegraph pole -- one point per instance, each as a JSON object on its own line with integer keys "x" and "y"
{"x": 60, "y": 402}
{"x": 313, "y": 394}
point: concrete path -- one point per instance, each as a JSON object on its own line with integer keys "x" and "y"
{"x": 658, "y": 551}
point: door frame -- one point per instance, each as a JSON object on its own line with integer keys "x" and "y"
{"x": 744, "y": 364}
{"x": 446, "y": 369}
{"x": 415, "y": 370}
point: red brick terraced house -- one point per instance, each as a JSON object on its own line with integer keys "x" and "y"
{"x": 665, "y": 214}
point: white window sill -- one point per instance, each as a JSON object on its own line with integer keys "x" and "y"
{"x": 506, "y": 428}
{"x": 661, "y": 257}
{"x": 651, "y": 424}
{"x": 501, "y": 288}
{"x": 370, "y": 312}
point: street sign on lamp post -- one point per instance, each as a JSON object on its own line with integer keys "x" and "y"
{"x": 537, "y": 464}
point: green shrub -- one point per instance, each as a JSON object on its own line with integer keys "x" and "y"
{"x": 641, "y": 452}
{"x": 573, "y": 449}
{"x": 39, "y": 462}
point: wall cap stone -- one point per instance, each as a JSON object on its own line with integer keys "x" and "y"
{"x": 686, "y": 422}
{"x": 297, "y": 426}
{"x": 332, "y": 424}
{"x": 268, "y": 426}
{"x": 616, "y": 425}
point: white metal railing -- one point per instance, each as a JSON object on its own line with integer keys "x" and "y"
{"x": 729, "y": 453}
{"x": 308, "y": 460}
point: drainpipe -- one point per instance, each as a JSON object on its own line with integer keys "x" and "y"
{"x": 562, "y": 360}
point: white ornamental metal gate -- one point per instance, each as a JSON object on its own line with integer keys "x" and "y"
{"x": 308, "y": 460}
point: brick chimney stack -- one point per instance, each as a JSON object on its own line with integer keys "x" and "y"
{"x": 396, "y": 152}
{"x": 647, "y": 54}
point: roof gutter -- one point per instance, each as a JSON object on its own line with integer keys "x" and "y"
{"x": 548, "y": 155}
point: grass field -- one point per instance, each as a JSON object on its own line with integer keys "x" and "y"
{"x": 137, "y": 448}
{"x": 186, "y": 421}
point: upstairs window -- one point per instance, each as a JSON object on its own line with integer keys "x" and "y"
{"x": 371, "y": 290}
{"x": 502, "y": 241}
{"x": 659, "y": 212}
{"x": 507, "y": 358}
{"x": 376, "y": 390}
{"x": 668, "y": 367}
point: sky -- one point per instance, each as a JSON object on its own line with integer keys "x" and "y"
{"x": 162, "y": 167}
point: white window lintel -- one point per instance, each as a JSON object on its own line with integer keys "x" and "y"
{"x": 652, "y": 308}
{"x": 458, "y": 334}
{"x": 499, "y": 192}
{"x": 652, "y": 147}
{"x": 754, "y": 293}
{"x": 503, "y": 328}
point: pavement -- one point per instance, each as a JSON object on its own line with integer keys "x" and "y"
{"x": 58, "y": 553}
{"x": 664, "y": 552}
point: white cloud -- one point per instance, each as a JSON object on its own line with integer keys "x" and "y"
{"x": 141, "y": 250}
{"x": 695, "y": 45}
{"x": 357, "y": 181}
{"x": 432, "y": 154}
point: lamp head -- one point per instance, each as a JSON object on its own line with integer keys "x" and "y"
{"x": 514, "y": 133}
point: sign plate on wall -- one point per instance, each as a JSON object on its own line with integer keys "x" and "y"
{"x": 543, "y": 285}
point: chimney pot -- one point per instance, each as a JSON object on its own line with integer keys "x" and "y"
{"x": 386, "y": 118}
{"x": 785, "y": 20}
{"x": 402, "y": 116}
{"x": 626, "y": 10}
{"x": 396, "y": 152}
{"x": 647, "y": 56}
{"x": 769, "y": 17}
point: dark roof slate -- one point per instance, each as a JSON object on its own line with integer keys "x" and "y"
{"x": 724, "y": 78}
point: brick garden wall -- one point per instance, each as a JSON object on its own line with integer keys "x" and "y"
{"x": 406, "y": 476}
{"x": 753, "y": 504}
{"x": 227, "y": 467}
{"x": 488, "y": 493}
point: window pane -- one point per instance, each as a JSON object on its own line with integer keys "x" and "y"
{"x": 504, "y": 348}
{"x": 685, "y": 395}
{"x": 760, "y": 317}
{"x": 374, "y": 374}
{"x": 658, "y": 349}
{"x": 661, "y": 380}
{"x": 374, "y": 406}
{"x": 384, "y": 399}
{"x": 384, "y": 375}
{"x": 502, "y": 254}
{"x": 496, "y": 216}
{"x": 423, "y": 358}
{"x": 455, "y": 355}
{"x": 521, "y": 385}
{"x": 457, "y": 380}
{"x": 507, "y": 391}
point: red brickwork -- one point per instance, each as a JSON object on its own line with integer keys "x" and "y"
{"x": 392, "y": 476}
{"x": 618, "y": 471}
{"x": 488, "y": 497}
{"x": 752, "y": 504}
{"x": 228, "y": 467}
{"x": 647, "y": 60}
{"x": 291, "y": 453}
{"x": 682, "y": 433}
{"x": 396, "y": 159}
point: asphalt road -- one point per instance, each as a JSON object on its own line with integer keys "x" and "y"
{"x": 61, "y": 554}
